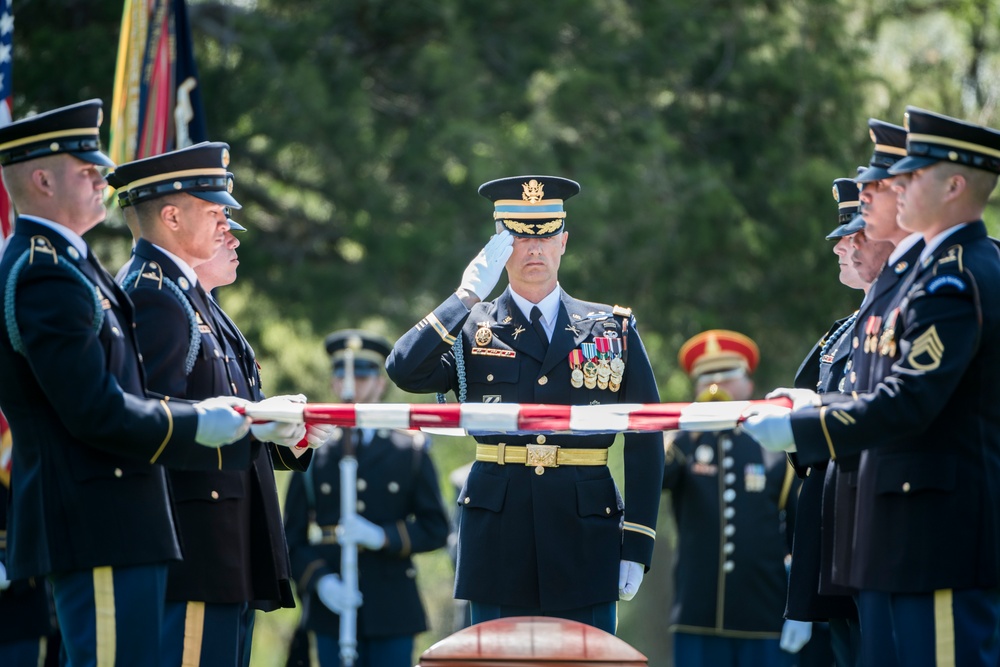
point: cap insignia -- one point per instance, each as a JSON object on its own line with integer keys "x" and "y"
{"x": 100, "y": 117}
{"x": 229, "y": 185}
{"x": 906, "y": 121}
{"x": 225, "y": 157}
{"x": 533, "y": 191}
{"x": 871, "y": 133}
{"x": 836, "y": 194}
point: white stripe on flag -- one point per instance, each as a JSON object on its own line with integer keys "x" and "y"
{"x": 712, "y": 416}
{"x": 382, "y": 415}
{"x": 500, "y": 417}
{"x": 603, "y": 418}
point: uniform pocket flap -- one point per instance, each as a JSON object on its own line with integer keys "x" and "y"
{"x": 207, "y": 486}
{"x": 908, "y": 474}
{"x": 484, "y": 491}
{"x": 597, "y": 497}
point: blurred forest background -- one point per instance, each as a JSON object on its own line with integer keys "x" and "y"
{"x": 705, "y": 134}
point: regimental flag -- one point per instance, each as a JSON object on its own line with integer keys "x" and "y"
{"x": 156, "y": 106}
{"x": 5, "y": 451}
{"x": 6, "y": 95}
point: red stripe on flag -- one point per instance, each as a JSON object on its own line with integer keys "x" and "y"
{"x": 544, "y": 417}
{"x": 338, "y": 414}
{"x": 438, "y": 415}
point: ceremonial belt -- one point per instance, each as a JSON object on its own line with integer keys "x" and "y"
{"x": 546, "y": 456}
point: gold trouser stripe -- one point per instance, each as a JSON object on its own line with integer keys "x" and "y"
{"x": 170, "y": 431}
{"x": 194, "y": 630}
{"x": 313, "y": 650}
{"x": 944, "y": 628}
{"x": 786, "y": 486}
{"x": 826, "y": 433}
{"x": 104, "y": 608}
{"x": 43, "y": 650}
{"x": 564, "y": 457}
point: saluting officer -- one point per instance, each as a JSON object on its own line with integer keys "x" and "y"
{"x": 732, "y": 501}
{"x": 399, "y": 513}
{"x": 927, "y": 531}
{"x": 235, "y": 560}
{"x": 88, "y": 507}
{"x": 543, "y": 529}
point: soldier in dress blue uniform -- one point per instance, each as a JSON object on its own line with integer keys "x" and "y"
{"x": 235, "y": 559}
{"x": 89, "y": 505}
{"x": 399, "y": 513}
{"x": 732, "y": 501}
{"x": 927, "y": 530}
{"x": 811, "y": 595}
{"x": 543, "y": 529}
{"x": 28, "y": 634}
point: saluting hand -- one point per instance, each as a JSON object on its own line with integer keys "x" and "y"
{"x": 483, "y": 272}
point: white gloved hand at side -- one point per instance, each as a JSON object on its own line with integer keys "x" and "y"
{"x": 334, "y": 595}
{"x": 4, "y": 581}
{"x": 801, "y": 398}
{"x": 795, "y": 635}
{"x": 218, "y": 423}
{"x": 629, "y": 579}
{"x": 483, "y": 272}
{"x": 361, "y": 531}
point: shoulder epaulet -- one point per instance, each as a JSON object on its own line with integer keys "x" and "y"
{"x": 621, "y": 311}
{"x": 41, "y": 250}
{"x": 152, "y": 273}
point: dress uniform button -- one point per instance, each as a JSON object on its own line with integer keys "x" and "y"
{"x": 728, "y": 566}
{"x": 540, "y": 439}
{"x": 730, "y": 512}
{"x": 140, "y": 357}
{"x": 856, "y": 343}
{"x": 411, "y": 573}
{"x": 215, "y": 495}
{"x": 466, "y": 501}
{"x": 393, "y": 487}
{"x": 607, "y": 510}
{"x": 539, "y": 470}
{"x": 729, "y": 495}
{"x": 729, "y": 530}
{"x": 217, "y": 353}
{"x": 728, "y": 547}
{"x": 727, "y": 444}
{"x": 134, "y": 325}
{"x": 362, "y": 484}
{"x": 906, "y": 487}
{"x": 854, "y": 377}
{"x": 361, "y": 506}
{"x": 489, "y": 378}
{"x": 543, "y": 380}
{"x": 730, "y": 478}
{"x": 115, "y": 331}
{"x": 727, "y": 462}
{"x": 118, "y": 472}
{"x": 325, "y": 488}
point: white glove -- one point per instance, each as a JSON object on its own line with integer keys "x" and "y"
{"x": 318, "y": 435}
{"x": 771, "y": 426}
{"x": 285, "y": 434}
{"x": 482, "y": 273}
{"x": 361, "y": 531}
{"x": 218, "y": 423}
{"x": 4, "y": 581}
{"x": 801, "y": 398}
{"x": 629, "y": 578}
{"x": 795, "y": 635}
{"x": 334, "y": 595}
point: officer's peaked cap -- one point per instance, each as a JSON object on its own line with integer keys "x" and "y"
{"x": 198, "y": 170}
{"x": 73, "y": 129}
{"x": 718, "y": 351}
{"x": 890, "y": 148}
{"x": 368, "y": 350}
{"x": 933, "y": 138}
{"x": 530, "y": 206}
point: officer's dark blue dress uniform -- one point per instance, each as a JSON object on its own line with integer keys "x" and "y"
{"x": 535, "y": 539}
{"x": 927, "y": 518}
{"x": 235, "y": 558}
{"x": 89, "y": 507}
{"x": 398, "y": 489}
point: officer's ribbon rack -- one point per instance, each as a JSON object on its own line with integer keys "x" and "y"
{"x": 520, "y": 418}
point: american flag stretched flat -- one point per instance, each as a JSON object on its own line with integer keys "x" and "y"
{"x": 515, "y": 418}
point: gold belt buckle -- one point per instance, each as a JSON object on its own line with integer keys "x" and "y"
{"x": 542, "y": 455}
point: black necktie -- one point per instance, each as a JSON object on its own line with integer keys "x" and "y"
{"x": 536, "y": 324}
